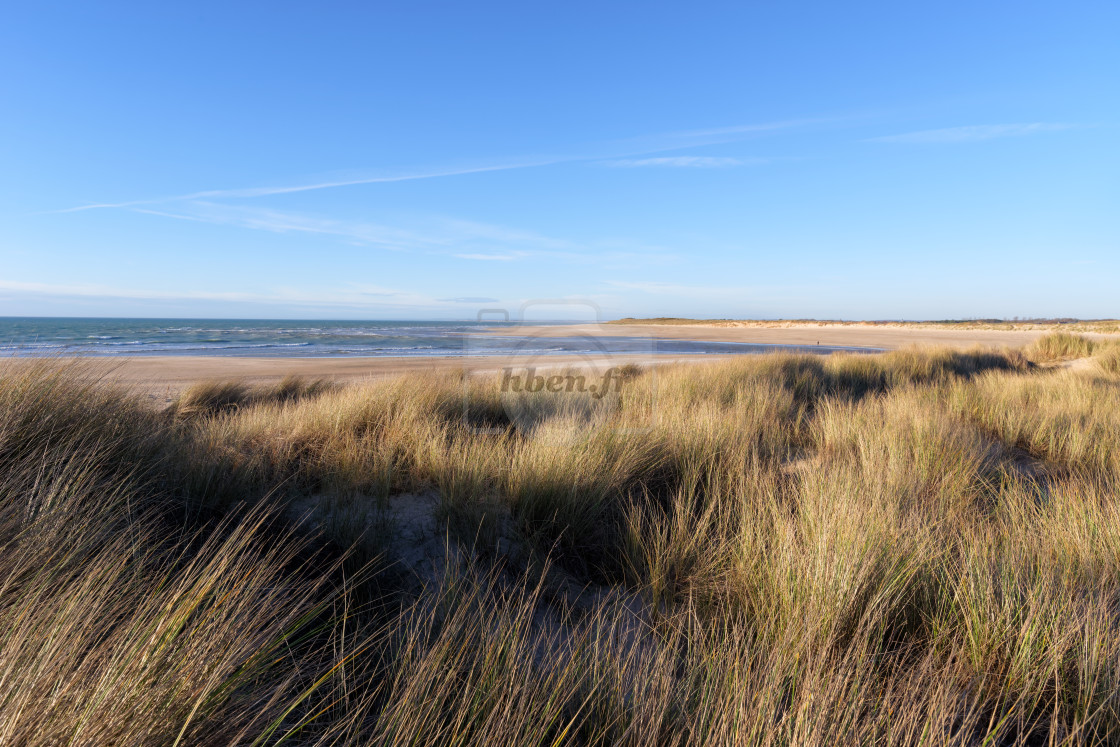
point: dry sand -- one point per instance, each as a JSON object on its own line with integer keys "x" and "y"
{"x": 785, "y": 333}
{"x": 162, "y": 377}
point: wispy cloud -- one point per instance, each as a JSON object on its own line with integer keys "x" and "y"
{"x": 275, "y": 221}
{"x": 757, "y": 128}
{"x": 470, "y": 299}
{"x": 214, "y": 194}
{"x": 450, "y": 237}
{"x": 489, "y": 257}
{"x": 687, "y": 162}
{"x": 679, "y": 140}
{"x": 348, "y": 296}
{"x": 99, "y": 291}
{"x": 660, "y": 288}
{"x": 974, "y": 133}
{"x": 618, "y": 149}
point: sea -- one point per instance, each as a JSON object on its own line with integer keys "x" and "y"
{"x": 42, "y": 336}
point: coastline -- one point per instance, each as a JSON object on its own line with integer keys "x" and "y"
{"x": 161, "y": 377}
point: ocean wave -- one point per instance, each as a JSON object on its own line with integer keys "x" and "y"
{"x": 145, "y": 337}
{"x": 220, "y": 345}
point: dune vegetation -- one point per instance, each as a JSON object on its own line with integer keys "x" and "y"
{"x": 916, "y": 547}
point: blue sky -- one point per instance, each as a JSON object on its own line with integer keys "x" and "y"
{"x": 422, "y": 160}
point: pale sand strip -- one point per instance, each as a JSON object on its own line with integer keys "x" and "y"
{"x": 798, "y": 334}
{"x": 162, "y": 377}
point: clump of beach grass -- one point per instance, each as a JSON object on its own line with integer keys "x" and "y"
{"x": 1108, "y": 360}
{"x": 1061, "y": 346}
{"x": 214, "y": 397}
{"x": 122, "y": 624}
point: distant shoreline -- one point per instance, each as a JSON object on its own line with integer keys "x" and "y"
{"x": 1081, "y": 326}
{"x": 834, "y": 334}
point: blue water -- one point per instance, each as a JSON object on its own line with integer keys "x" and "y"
{"x": 29, "y": 336}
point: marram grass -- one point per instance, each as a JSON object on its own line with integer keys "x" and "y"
{"x": 920, "y": 547}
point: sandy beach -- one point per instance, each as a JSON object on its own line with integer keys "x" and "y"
{"x": 848, "y": 335}
{"x": 162, "y": 377}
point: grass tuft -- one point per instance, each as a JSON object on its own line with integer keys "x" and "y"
{"x": 1061, "y": 346}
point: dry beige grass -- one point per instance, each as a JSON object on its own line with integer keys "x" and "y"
{"x": 920, "y": 547}
{"x": 121, "y": 624}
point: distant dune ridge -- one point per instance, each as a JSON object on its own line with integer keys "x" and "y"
{"x": 1104, "y": 326}
{"x": 883, "y": 335}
